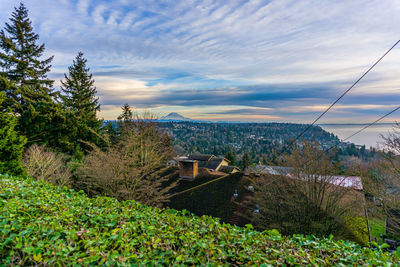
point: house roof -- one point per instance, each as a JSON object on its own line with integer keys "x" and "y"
{"x": 187, "y": 161}
{"x": 228, "y": 168}
{"x": 344, "y": 181}
{"x": 274, "y": 170}
{"x": 201, "y": 157}
{"x": 213, "y": 163}
{"x": 348, "y": 181}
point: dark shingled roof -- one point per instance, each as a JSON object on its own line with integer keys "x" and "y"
{"x": 228, "y": 169}
{"x": 213, "y": 163}
{"x": 207, "y": 160}
{"x": 201, "y": 157}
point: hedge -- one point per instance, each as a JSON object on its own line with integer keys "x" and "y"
{"x": 41, "y": 224}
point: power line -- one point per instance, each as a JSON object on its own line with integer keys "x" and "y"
{"x": 359, "y": 131}
{"x": 347, "y": 138}
{"x": 317, "y": 119}
{"x": 197, "y": 186}
{"x": 200, "y": 185}
{"x": 337, "y": 100}
{"x": 367, "y": 126}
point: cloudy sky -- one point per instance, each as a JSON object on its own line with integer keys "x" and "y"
{"x": 277, "y": 60}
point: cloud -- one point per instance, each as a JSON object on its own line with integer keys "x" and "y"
{"x": 82, "y": 6}
{"x": 292, "y": 56}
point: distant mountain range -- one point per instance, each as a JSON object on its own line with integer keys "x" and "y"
{"x": 173, "y": 116}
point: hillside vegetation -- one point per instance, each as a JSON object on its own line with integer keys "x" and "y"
{"x": 260, "y": 140}
{"x": 44, "y": 224}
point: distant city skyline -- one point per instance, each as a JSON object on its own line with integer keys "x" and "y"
{"x": 277, "y": 60}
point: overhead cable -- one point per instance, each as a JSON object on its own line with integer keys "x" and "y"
{"x": 338, "y": 99}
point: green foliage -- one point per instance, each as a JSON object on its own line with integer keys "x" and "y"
{"x": 231, "y": 156}
{"x": 125, "y": 119}
{"x": 40, "y": 117}
{"x": 21, "y": 54}
{"x": 111, "y": 133}
{"x": 43, "y": 121}
{"x": 45, "y": 225}
{"x": 377, "y": 227}
{"x": 357, "y": 225}
{"x": 80, "y": 101}
{"x": 11, "y": 143}
{"x": 246, "y": 160}
{"x": 262, "y": 140}
{"x": 79, "y": 93}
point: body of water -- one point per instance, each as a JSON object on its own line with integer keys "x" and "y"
{"x": 369, "y": 137}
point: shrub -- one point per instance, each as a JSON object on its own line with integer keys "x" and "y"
{"x": 11, "y": 143}
{"x": 43, "y": 164}
{"x": 132, "y": 168}
{"x": 357, "y": 225}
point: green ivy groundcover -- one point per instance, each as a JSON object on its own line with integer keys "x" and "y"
{"x": 41, "y": 224}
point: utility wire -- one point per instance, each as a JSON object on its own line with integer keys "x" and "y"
{"x": 317, "y": 119}
{"x": 203, "y": 184}
{"x": 367, "y": 126}
{"x": 337, "y": 100}
{"x": 347, "y": 138}
{"x": 197, "y": 186}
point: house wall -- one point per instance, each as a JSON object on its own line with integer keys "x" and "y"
{"x": 223, "y": 163}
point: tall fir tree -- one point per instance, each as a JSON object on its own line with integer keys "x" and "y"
{"x": 11, "y": 142}
{"x": 79, "y": 92}
{"x": 40, "y": 118}
{"x": 231, "y": 156}
{"x": 21, "y": 57}
{"x": 246, "y": 160}
{"x": 110, "y": 133}
{"x": 81, "y": 103}
{"x": 127, "y": 114}
{"x": 125, "y": 119}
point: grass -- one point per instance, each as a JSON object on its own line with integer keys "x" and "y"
{"x": 377, "y": 227}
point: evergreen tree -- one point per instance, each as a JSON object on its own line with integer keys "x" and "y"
{"x": 81, "y": 103}
{"x": 40, "y": 118}
{"x": 246, "y": 160}
{"x": 21, "y": 57}
{"x": 11, "y": 143}
{"x": 127, "y": 114}
{"x": 79, "y": 92}
{"x": 111, "y": 133}
{"x": 125, "y": 120}
{"x": 231, "y": 156}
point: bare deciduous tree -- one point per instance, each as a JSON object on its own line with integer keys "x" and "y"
{"x": 43, "y": 164}
{"x": 133, "y": 168}
{"x": 322, "y": 189}
{"x": 390, "y": 181}
{"x": 309, "y": 200}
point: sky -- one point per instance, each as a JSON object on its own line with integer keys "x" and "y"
{"x": 242, "y": 60}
